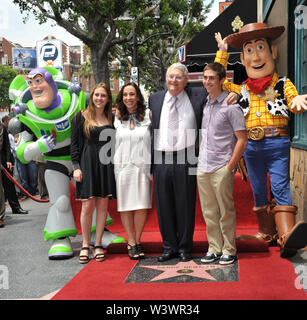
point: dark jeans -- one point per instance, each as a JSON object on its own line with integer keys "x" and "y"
{"x": 42, "y": 189}
{"x": 28, "y": 176}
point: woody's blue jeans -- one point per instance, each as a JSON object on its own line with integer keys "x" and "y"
{"x": 269, "y": 155}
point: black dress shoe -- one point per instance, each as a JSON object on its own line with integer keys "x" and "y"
{"x": 20, "y": 211}
{"x": 184, "y": 257}
{"x": 165, "y": 256}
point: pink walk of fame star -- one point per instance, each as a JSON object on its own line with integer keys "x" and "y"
{"x": 185, "y": 268}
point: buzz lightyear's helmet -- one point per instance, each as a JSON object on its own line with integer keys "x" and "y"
{"x": 49, "y": 79}
{"x": 19, "y": 93}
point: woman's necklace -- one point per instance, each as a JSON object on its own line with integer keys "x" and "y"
{"x": 99, "y": 122}
{"x": 133, "y": 121}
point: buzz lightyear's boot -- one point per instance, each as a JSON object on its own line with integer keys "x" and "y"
{"x": 60, "y": 224}
{"x": 108, "y": 237}
{"x": 60, "y": 249}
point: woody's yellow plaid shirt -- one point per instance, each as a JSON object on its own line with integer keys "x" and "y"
{"x": 258, "y": 104}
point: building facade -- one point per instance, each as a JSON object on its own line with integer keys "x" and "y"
{"x": 6, "y": 51}
{"x": 52, "y": 52}
{"x": 292, "y": 61}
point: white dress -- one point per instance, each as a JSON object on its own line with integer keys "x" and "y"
{"x": 132, "y": 164}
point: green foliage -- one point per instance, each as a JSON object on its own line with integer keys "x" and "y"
{"x": 183, "y": 19}
{"x": 107, "y": 27}
{"x": 7, "y": 74}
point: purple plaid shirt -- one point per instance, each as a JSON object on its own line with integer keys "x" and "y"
{"x": 218, "y": 140}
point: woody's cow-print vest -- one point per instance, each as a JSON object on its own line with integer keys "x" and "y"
{"x": 278, "y": 108}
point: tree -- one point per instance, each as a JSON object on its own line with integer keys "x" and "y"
{"x": 96, "y": 23}
{"x": 185, "y": 19}
{"x": 86, "y": 70}
{"x": 7, "y": 74}
{"x": 182, "y": 19}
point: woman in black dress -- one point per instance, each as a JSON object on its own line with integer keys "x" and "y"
{"x": 92, "y": 139}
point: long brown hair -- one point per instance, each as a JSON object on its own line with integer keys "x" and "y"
{"x": 90, "y": 112}
{"x": 140, "y": 111}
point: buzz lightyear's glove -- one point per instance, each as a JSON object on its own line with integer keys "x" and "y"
{"x": 74, "y": 88}
{"x": 20, "y": 108}
{"x": 29, "y": 150}
{"x": 46, "y": 143}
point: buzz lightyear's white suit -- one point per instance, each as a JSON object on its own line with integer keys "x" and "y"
{"x": 45, "y": 106}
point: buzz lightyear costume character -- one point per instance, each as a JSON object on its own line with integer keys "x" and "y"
{"x": 45, "y": 105}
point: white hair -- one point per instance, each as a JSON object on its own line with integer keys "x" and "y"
{"x": 179, "y": 66}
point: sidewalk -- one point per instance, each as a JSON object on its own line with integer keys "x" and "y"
{"x": 25, "y": 254}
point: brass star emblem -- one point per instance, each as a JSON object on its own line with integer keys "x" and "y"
{"x": 237, "y": 23}
{"x": 271, "y": 95}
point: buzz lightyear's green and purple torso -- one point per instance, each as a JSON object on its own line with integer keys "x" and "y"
{"x": 56, "y": 122}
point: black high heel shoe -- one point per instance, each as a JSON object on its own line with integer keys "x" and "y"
{"x": 133, "y": 252}
{"x": 99, "y": 257}
{"x": 140, "y": 250}
{"x": 83, "y": 259}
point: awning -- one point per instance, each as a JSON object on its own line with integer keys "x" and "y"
{"x": 202, "y": 48}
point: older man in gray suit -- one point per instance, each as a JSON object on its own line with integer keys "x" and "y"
{"x": 176, "y": 118}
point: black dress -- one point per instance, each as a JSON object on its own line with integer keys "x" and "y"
{"x": 96, "y": 164}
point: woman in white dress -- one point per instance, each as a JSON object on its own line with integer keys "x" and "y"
{"x": 132, "y": 165}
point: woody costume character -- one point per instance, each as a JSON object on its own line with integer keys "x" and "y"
{"x": 267, "y": 101}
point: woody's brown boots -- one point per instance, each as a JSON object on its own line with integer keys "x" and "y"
{"x": 291, "y": 236}
{"x": 266, "y": 227}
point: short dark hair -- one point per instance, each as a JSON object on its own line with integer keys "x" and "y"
{"x": 5, "y": 118}
{"x": 218, "y": 68}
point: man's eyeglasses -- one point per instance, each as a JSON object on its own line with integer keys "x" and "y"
{"x": 175, "y": 77}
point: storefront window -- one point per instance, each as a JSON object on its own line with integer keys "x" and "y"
{"x": 300, "y": 34}
{"x": 266, "y": 6}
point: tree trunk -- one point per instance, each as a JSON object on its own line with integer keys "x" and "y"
{"x": 100, "y": 66}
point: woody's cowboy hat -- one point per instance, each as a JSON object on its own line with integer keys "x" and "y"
{"x": 253, "y": 31}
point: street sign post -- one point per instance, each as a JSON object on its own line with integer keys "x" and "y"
{"x": 134, "y": 74}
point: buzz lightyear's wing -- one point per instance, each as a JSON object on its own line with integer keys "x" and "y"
{"x": 17, "y": 87}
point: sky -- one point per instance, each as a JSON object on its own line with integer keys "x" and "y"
{"x": 13, "y": 29}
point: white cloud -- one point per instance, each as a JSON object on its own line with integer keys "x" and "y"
{"x": 3, "y": 18}
{"x": 214, "y": 12}
{"x": 14, "y": 30}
